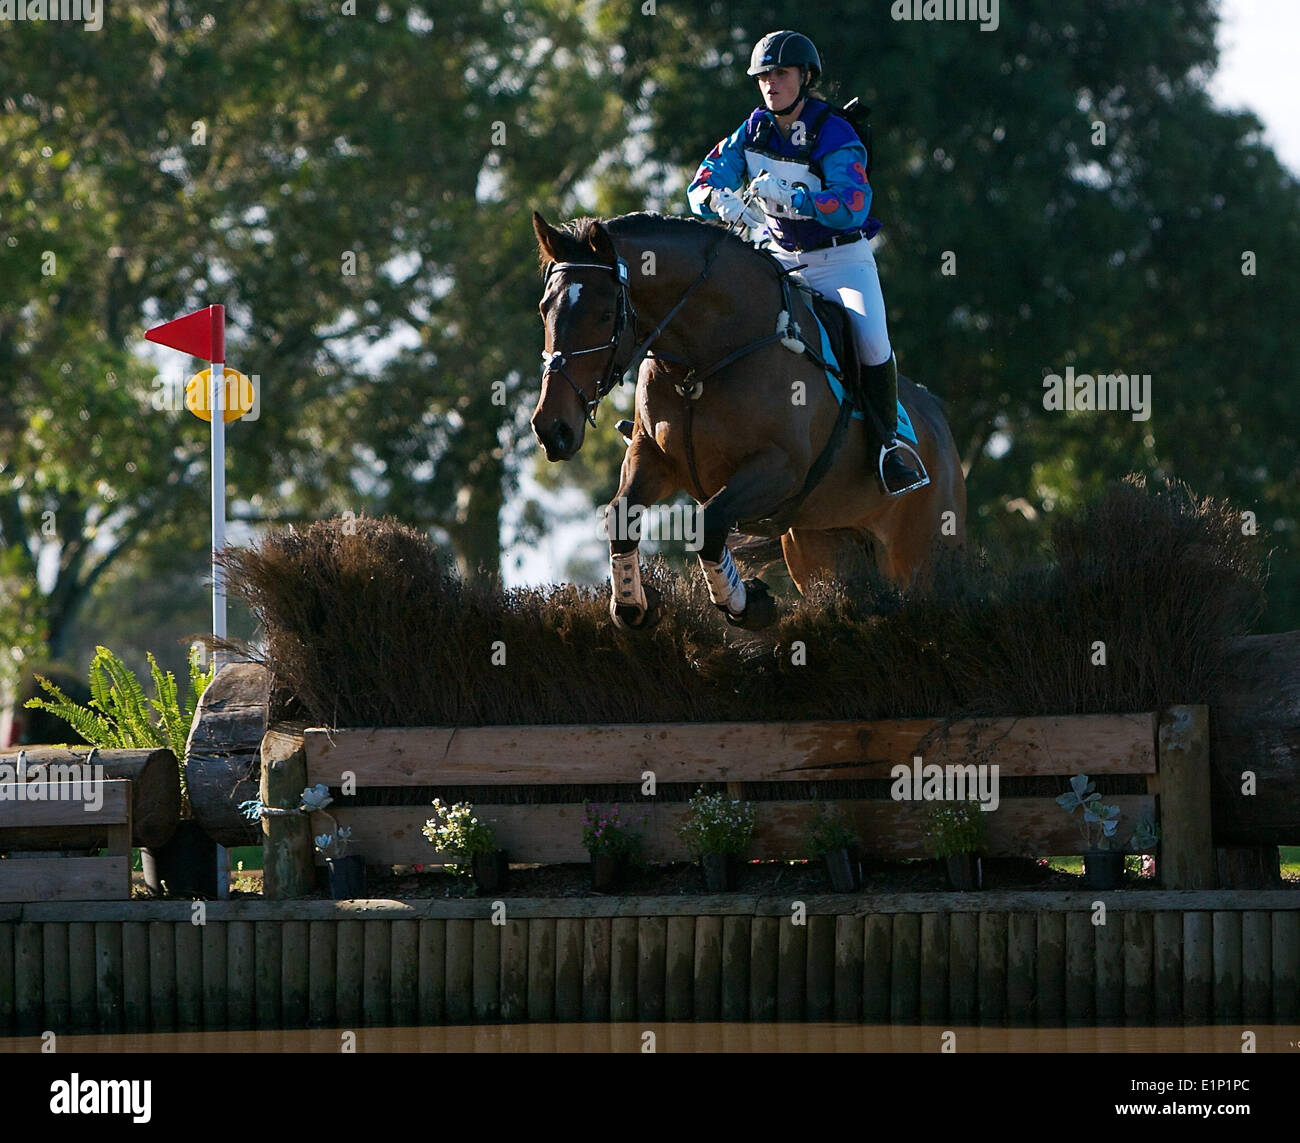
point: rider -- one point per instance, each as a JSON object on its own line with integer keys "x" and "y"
{"x": 816, "y": 204}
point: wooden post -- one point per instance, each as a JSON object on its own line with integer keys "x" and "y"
{"x": 295, "y": 965}
{"x": 1186, "y": 847}
{"x": 1021, "y": 938}
{"x": 287, "y": 854}
{"x": 877, "y": 943}
{"x": 848, "y": 967}
{"x": 541, "y": 968}
{"x": 81, "y": 971}
{"x": 764, "y": 937}
{"x": 189, "y": 976}
{"x": 735, "y": 969}
{"x": 651, "y": 967}
{"x": 905, "y": 976}
{"x": 1139, "y": 961}
{"x": 708, "y": 968}
{"x": 405, "y": 974}
{"x": 108, "y": 976}
{"x": 514, "y": 970}
{"x": 568, "y": 969}
{"x": 792, "y": 970}
{"x": 595, "y": 969}
{"x": 819, "y": 970}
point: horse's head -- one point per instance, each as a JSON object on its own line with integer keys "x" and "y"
{"x": 589, "y": 325}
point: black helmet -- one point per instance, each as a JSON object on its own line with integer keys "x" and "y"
{"x": 784, "y": 49}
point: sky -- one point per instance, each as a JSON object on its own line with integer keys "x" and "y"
{"x": 1257, "y": 70}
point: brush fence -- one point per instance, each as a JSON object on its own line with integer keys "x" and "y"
{"x": 1168, "y": 750}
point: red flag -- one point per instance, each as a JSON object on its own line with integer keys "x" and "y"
{"x": 200, "y": 334}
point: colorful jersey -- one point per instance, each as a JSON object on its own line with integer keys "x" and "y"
{"x": 832, "y": 195}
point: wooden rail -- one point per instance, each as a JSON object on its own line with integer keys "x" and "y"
{"x": 1169, "y": 751}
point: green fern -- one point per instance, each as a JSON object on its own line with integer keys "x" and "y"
{"x": 119, "y": 713}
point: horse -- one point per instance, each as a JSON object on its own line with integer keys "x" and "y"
{"x": 729, "y": 407}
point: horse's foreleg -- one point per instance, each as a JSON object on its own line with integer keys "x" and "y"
{"x": 756, "y": 488}
{"x": 646, "y": 477}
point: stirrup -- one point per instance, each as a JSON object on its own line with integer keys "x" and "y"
{"x": 885, "y": 450}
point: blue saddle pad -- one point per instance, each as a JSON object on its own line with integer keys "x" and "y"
{"x": 905, "y": 429}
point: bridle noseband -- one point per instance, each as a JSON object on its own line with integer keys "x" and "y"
{"x": 624, "y": 319}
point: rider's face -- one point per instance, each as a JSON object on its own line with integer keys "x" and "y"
{"x": 780, "y": 86}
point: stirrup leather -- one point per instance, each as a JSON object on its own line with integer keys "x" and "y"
{"x": 885, "y": 450}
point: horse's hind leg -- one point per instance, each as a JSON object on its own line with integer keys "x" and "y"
{"x": 813, "y": 554}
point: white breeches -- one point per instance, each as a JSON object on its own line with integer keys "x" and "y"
{"x": 848, "y": 273}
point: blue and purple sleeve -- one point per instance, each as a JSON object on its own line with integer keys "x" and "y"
{"x": 844, "y": 201}
{"x": 724, "y": 166}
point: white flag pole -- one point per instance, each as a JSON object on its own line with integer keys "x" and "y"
{"x": 217, "y": 406}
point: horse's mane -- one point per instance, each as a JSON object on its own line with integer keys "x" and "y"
{"x": 646, "y": 223}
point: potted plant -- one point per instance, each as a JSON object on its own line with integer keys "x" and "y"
{"x": 119, "y": 717}
{"x": 956, "y": 831}
{"x": 347, "y": 873}
{"x": 1103, "y": 862}
{"x": 612, "y": 845}
{"x": 832, "y": 840}
{"x": 718, "y": 832}
{"x": 456, "y": 831}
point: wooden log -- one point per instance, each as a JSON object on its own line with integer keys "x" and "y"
{"x": 288, "y": 868}
{"x": 1286, "y": 966}
{"x": 792, "y": 970}
{"x": 1168, "y": 935}
{"x": 730, "y": 752}
{"x": 1108, "y": 942}
{"x": 460, "y": 970}
{"x": 266, "y": 973}
{"x": 223, "y": 753}
{"x": 963, "y": 968}
{"x": 155, "y": 793}
{"x": 81, "y": 974}
{"x": 764, "y": 962}
{"x": 404, "y": 973}
{"x": 680, "y": 968}
{"x": 735, "y": 969}
{"x": 216, "y": 971}
{"x": 162, "y": 976}
{"x": 819, "y": 969}
{"x": 541, "y": 968}
{"x": 108, "y": 976}
{"x": 652, "y": 968}
{"x": 54, "y": 976}
{"x": 241, "y": 975}
{"x": 905, "y": 974}
{"x": 877, "y": 947}
{"x": 433, "y": 969}
{"x": 295, "y": 968}
{"x": 1248, "y": 866}
{"x": 1186, "y": 850}
{"x": 377, "y": 973}
{"x": 707, "y": 985}
{"x": 1049, "y": 969}
{"x": 1022, "y": 936}
{"x": 1226, "y": 947}
{"x": 487, "y": 971}
{"x": 993, "y": 968}
{"x": 1256, "y": 966}
{"x": 1253, "y": 727}
{"x": 595, "y": 968}
{"x": 514, "y": 970}
{"x": 1198, "y": 968}
{"x": 1139, "y": 966}
{"x": 135, "y": 976}
{"x": 568, "y": 968}
{"x": 1080, "y": 969}
{"x": 622, "y": 969}
{"x": 849, "y": 935}
{"x": 29, "y": 978}
{"x": 934, "y": 967}
{"x": 188, "y": 941}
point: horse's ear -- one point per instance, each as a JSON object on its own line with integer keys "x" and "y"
{"x": 553, "y": 245}
{"x": 601, "y": 242}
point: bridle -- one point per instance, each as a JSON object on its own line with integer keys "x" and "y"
{"x": 624, "y": 318}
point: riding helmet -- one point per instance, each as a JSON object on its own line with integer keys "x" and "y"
{"x": 784, "y": 49}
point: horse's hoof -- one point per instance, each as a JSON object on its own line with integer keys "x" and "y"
{"x": 760, "y": 607}
{"x": 628, "y": 618}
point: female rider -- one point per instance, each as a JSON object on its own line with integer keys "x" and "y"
{"x": 816, "y": 200}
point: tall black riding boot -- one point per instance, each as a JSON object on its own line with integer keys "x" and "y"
{"x": 881, "y": 385}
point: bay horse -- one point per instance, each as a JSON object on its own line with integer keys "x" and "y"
{"x": 728, "y": 409}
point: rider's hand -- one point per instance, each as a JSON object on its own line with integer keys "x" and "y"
{"x": 727, "y": 205}
{"x": 773, "y": 190}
